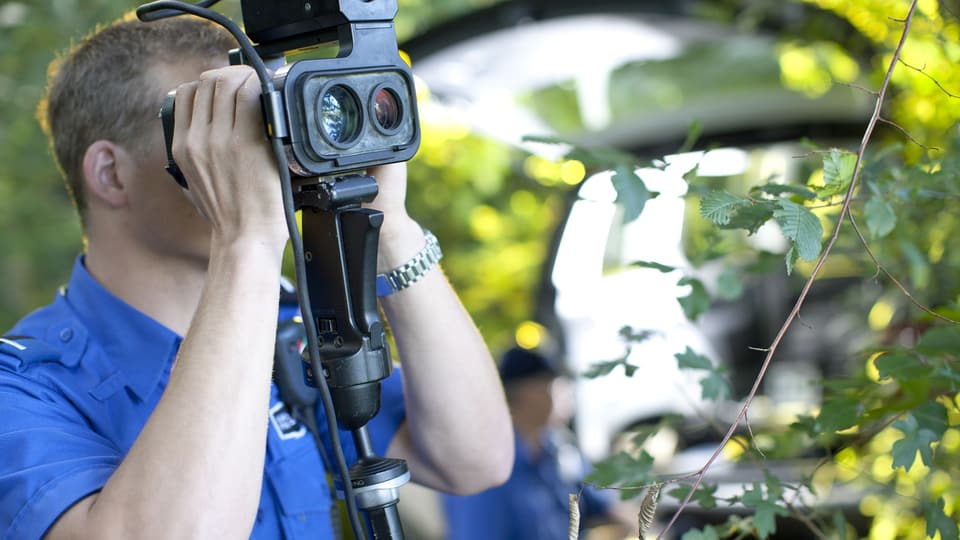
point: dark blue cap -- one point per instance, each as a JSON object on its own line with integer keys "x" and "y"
{"x": 518, "y": 363}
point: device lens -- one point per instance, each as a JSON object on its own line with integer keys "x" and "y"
{"x": 339, "y": 115}
{"x": 386, "y": 109}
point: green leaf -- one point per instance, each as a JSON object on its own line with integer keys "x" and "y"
{"x": 880, "y": 217}
{"x": 729, "y": 285}
{"x": 805, "y": 424}
{"x": 776, "y": 190}
{"x": 638, "y": 436}
{"x": 604, "y": 158}
{"x": 697, "y": 302}
{"x": 914, "y": 440}
{"x": 774, "y": 486}
{"x": 751, "y": 216}
{"x": 718, "y": 206}
{"x": 632, "y": 193}
{"x": 705, "y": 495}
{"x": 714, "y": 386}
{"x": 949, "y": 373}
{"x": 932, "y": 417}
{"x": 599, "y": 369}
{"x": 765, "y": 521}
{"x": 692, "y": 360}
{"x": 840, "y": 524}
{"x": 654, "y": 265}
{"x": 838, "y": 414}
{"x": 622, "y": 469}
{"x": 942, "y": 340}
{"x": 800, "y": 225}
{"x": 837, "y": 172}
{"x": 707, "y": 533}
{"x": 917, "y": 262}
{"x": 901, "y": 367}
{"x": 938, "y": 521}
{"x": 791, "y": 258}
{"x": 694, "y": 130}
{"x": 905, "y": 450}
{"x": 546, "y": 139}
{"x": 765, "y": 509}
{"x": 634, "y": 336}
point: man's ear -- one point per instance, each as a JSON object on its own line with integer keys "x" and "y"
{"x": 101, "y": 173}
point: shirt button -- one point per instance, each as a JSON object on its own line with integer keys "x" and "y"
{"x": 66, "y": 334}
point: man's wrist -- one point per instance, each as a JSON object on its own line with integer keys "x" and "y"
{"x": 400, "y": 239}
{"x": 411, "y": 271}
{"x": 266, "y": 252}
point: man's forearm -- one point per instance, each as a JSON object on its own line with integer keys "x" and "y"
{"x": 196, "y": 468}
{"x": 460, "y": 437}
{"x": 457, "y": 436}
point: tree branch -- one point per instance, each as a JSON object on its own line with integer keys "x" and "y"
{"x": 909, "y": 136}
{"x": 805, "y": 519}
{"x": 922, "y": 71}
{"x": 844, "y": 211}
{"x": 863, "y": 89}
{"x": 881, "y": 268}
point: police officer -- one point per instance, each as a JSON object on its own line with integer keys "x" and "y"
{"x": 534, "y": 502}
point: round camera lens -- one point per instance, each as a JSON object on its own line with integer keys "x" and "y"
{"x": 386, "y": 109}
{"x": 339, "y": 115}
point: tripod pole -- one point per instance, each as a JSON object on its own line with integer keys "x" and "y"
{"x": 385, "y": 522}
{"x": 376, "y": 482}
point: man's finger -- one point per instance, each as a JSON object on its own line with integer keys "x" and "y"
{"x": 247, "y": 101}
{"x": 183, "y": 106}
{"x": 203, "y": 100}
{"x": 229, "y": 82}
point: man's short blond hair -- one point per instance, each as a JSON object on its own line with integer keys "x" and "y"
{"x": 100, "y": 89}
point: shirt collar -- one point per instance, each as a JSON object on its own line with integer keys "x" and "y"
{"x": 138, "y": 346}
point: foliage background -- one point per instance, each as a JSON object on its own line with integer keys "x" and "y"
{"x": 494, "y": 211}
{"x": 887, "y": 427}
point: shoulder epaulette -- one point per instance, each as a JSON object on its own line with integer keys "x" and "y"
{"x": 27, "y": 349}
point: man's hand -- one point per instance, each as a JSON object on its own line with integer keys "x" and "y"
{"x": 392, "y": 183}
{"x": 400, "y": 236}
{"x": 220, "y": 145}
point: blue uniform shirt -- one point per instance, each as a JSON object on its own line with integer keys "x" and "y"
{"x": 533, "y": 503}
{"x": 78, "y": 380}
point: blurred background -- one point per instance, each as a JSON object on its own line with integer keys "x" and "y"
{"x": 533, "y": 112}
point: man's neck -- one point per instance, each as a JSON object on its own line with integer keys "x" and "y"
{"x": 165, "y": 289}
{"x": 531, "y": 434}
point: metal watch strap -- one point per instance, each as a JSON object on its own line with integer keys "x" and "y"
{"x": 410, "y": 272}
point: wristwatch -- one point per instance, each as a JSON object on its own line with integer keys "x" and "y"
{"x": 410, "y": 272}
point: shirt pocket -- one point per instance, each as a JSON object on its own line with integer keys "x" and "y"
{"x": 299, "y": 483}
